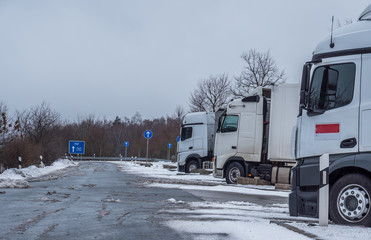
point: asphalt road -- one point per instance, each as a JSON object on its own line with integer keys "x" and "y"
{"x": 96, "y": 201}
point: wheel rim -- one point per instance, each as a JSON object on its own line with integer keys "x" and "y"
{"x": 192, "y": 167}
{"x": 234, "y": 173}
{"x": 353, "y": 203}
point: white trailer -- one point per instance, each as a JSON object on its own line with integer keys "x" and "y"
{"x": 254, "y": 135}
{"x": 334, "y": 118}
{"x": 196, "y": 143}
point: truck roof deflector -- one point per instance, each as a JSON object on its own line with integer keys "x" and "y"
{"x": 251, "y": 99}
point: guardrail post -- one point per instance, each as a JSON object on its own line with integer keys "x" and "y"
{"x": 323, "y": 201}
{"x": 19, "y": 162}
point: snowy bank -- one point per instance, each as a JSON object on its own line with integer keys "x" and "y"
{"x": 17, "y": 178}
{"x": 233, "y": 219}
{"x": 168, "y": 178}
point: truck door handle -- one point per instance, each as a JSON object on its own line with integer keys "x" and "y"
{"x": 190, "y": 148}
{"x": 234, "y": 147}
{"x": 348, "y": 143}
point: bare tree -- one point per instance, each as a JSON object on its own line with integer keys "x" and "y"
{"x": 38, "y": 122}
{"x": 210, "y": 94}
{"x": 3, "y": 120}
{"x": 8, "y": 128}
{"x": 179, "y": 115}
{"x": 197, "y": 101}
{"x": 260, "y": 70}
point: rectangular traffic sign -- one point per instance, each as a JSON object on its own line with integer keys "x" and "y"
{"x": 76, "y": 147}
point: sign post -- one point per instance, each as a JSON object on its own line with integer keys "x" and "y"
{"x": 169, "y": 145}
{"x": 147, "y": 134}
{"x": 126, "y": 144}
{"x": 76, "y": 147}
{"x": 324, "y": 161}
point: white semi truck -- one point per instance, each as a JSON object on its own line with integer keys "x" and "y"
{"x": 335, "y": 118}
{"x": 253, "y": 137}
{"x": 196, "y": 141}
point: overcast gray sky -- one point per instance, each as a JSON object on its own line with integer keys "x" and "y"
{"x": 112, "y": 58}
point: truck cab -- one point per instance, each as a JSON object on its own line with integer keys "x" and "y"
{"x": 334, "y": 118}
{"x": 196, "y": 141}
{"x": 255, "y": 131}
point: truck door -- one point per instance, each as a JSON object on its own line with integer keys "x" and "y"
{"x": 186, "y": 139}
{"x": 226, "y": 140}
{"x": 330, "y": 122}
{"x": 365, "y": 109}
{"x": 250, "y": 134}
{"x": 199, "y": 138}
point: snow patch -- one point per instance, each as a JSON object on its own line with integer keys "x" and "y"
{"x": 172, "y": 200}
{"x": 234, "y": 189}
{"x": 235, "y": 230}
{"x": 17, "y": 178}
{"x": 112, "y": 200}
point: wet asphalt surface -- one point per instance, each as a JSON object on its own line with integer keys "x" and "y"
{"x": 96, "y": 201}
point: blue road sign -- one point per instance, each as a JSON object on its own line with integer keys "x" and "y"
{"x": 126, "y": 144}
{"x": 148, "y": 134}
{"x": 76, "y": 147}
{"x": 178, "y": 139}
{"x": 169, "y": 145}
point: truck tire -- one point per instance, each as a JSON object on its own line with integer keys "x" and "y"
{"x": 191, "y": 165}
{"x": 350, "y": 200}
{"x": 234, "y": 171}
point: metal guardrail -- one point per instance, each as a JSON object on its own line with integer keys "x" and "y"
{"x": 92, "y": 158}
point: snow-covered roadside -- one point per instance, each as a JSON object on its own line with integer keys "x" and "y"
{"x": 244, "y": 220}
{"x": 158, "y": 171}
{"x": 235, "y": 219}
{"x": 17, "y": 178}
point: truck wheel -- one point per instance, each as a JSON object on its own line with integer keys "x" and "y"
{"x": 234, "y": 171}
{"x": 191, "y": 165}
{"x": 350, "y": 200}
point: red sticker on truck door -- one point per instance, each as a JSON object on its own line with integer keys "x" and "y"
{"x": 327, "y": 131}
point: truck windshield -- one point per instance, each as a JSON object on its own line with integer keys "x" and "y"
{"x": 186, "y": 133}
{"x": 230, "y": 123}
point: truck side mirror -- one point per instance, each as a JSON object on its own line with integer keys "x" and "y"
{"x": 220, "y": 120}
{"x": 305, "y": 84}
{"x": 304, "y": 87}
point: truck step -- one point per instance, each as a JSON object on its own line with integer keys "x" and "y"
{"x": 282, "y": 186}
{"x": 252, "y": 181}
{"x": 202, "y": 171}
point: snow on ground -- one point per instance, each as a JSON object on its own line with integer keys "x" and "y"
{"x": 158, "y": 171}
{"x": 17, "y": 178}
{"x": 243, "y": 220}
{"x": 234, "y": 219}
{"x": 235, "y": 189}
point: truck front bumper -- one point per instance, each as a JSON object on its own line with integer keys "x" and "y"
{"x": 302, "y": 201}
{"x": 181, "y": 168}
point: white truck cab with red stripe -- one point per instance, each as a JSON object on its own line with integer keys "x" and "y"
{"x": 335, "y": 118}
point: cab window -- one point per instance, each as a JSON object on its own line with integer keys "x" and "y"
{"x": 332, "y": 86}
{"x": 186, "y": 133}
{"x": 230, "y": 123}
